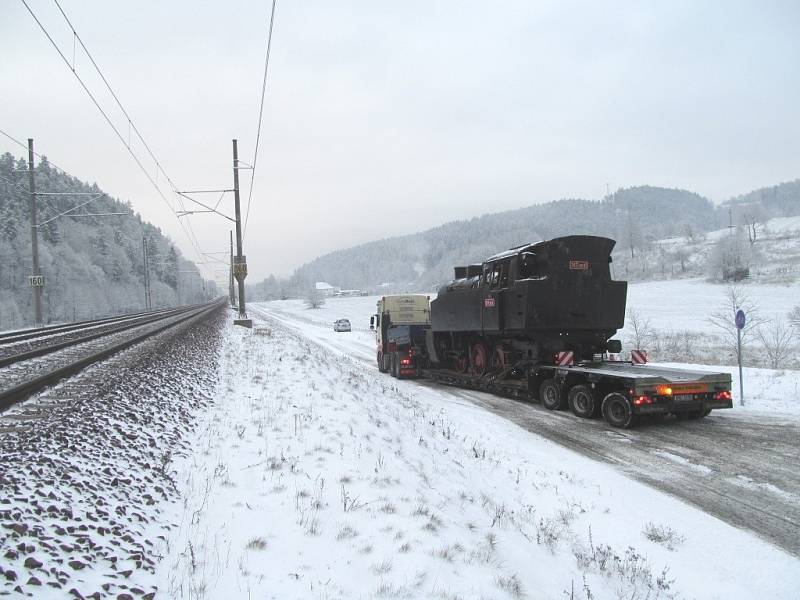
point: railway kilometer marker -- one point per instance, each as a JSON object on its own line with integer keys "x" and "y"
{"x": 36, "y": 280}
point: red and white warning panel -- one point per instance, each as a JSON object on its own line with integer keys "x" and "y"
{"x": 639, "y": 357}
{"x": 564, "y": 359}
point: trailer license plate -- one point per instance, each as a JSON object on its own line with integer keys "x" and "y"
{"x": 683, "y": 397}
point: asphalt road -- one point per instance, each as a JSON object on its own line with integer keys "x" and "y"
{"x": 741, "y": 468}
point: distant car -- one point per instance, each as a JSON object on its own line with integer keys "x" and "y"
{"x": 341, "y": 325}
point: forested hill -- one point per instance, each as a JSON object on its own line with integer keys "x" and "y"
{"x": 92, "y": 266}
{"x": 635, "y": 217}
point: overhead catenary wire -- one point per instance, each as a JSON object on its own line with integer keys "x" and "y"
{"x": 192, "y": 238}
{"x": 131, "y": 124}
{"x": 260, "y": 117}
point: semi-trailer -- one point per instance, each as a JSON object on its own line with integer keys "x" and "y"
{"x": 536, "y": 322}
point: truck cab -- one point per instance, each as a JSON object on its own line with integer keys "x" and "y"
{"x": 400, "y": 323}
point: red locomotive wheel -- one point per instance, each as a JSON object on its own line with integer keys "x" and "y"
{"x": 499, "y": 357}
{"x": 479, "y": 358}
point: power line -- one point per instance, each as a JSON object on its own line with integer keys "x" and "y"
{"x": 192, "y": 238}
{"x": 131, "y": 124}
{"x": 260, "y": 116}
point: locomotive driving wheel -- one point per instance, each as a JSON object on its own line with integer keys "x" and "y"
{"x": 479, "y": 358}
{"x": 499, "y": 357}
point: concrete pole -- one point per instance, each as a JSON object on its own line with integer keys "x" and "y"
{"x": 231, "y": 291}
{"x": 240, "y": 259}
{"x": 37, "y": 289}
{"x": 144, "y": 272}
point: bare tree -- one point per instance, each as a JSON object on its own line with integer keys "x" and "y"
{"x": 724, "y": 318}
{"x": 688, "y": 231}
{"x": 794, "y": 318}
{"x": 632, "y": 233}
{"x": 314, "y": 299}
{"x": 641, "y": 331}
{"x": 681, "y": 256}
{"x": 753, "y": 217}
{"x": 776, "y": 339}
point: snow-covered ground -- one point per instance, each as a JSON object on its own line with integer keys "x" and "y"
{"x": 686, "y": 304}
{"x": 315, "y": 476}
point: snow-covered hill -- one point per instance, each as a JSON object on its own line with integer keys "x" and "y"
{"x": 661, "y": 234}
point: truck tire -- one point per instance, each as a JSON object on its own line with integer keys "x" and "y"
{"x": 583, "y": 401}
{"x": 382, "y": 366}
{"x": 395, "y": 367}
{"x": 550, "y": 395}
{"x": 617, "y": 410}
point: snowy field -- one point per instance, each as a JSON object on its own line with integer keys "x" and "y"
{"x": 315, "y": 476}
{"x": 675, "y": 305}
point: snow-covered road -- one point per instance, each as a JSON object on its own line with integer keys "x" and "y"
{"x": 738, "y": 465}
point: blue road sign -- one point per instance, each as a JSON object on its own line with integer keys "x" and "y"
{"x": 740, "y": 319}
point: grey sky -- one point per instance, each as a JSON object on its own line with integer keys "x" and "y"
{"x": 385, "y": 118}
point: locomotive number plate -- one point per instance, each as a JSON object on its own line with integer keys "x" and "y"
{"x": 579, "y": 265}
{"x": 488, "y": 302}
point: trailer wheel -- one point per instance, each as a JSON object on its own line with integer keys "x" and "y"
{"x": 617, "y": 410}
{"x": 550, "y": 395}
{"x": 583, "y": 402}
{"x": 394, "y": 365}
{"x": 382, "y": 366}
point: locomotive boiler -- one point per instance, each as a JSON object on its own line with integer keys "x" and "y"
{"x": 530, "y": 302}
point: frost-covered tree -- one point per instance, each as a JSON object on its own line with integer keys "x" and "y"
{"x": 92, "y": 266}
{"x": 731, "y": 258}
{"x": 314, "y": 299}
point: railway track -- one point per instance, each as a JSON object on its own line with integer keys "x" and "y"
{"x": 32, "y": 360}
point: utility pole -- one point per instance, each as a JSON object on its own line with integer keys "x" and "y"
{"x": 231, "y": 292}
{"x": 144, "y": 271}
{"x": 240, "y": 262}
{"x": 148, "y": 299}
{"x": 36, "y": 280}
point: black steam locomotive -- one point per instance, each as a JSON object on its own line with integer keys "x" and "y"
{"x": 530, "y": 302}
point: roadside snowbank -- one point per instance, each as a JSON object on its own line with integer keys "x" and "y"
{"x": 317, "y": 478}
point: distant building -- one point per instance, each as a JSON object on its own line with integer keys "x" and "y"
{"x": 347, "y": 293}
{"x": 326, "y": 289}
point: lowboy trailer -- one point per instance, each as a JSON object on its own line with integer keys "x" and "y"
{"x": 618, "y": 391}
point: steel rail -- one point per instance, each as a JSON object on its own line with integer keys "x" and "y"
{"x": 50, "y": 348}
{"x": 14, "y": 395}
{"x": 21, "y": 335}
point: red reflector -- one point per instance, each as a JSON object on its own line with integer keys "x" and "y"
{"x": 723, "y": 396}
{"x": 639, "y": 400}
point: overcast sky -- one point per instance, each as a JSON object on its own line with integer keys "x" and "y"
{"x": 384, "y": 118}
